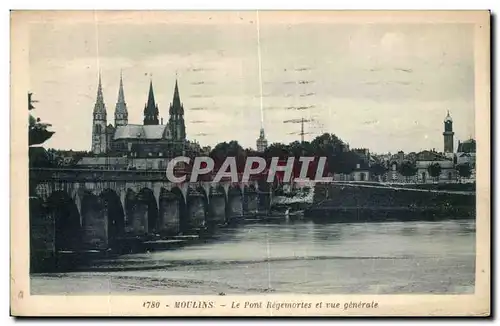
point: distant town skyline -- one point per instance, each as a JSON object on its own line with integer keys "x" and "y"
{"x": 385, "y": 87}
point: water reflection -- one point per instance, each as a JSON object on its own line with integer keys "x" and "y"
{"x": 303, "y": 257}
{"x": 327, "y": 232}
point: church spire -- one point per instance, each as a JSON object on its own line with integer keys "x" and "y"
{"x": 121, "y": 95}
{"x": 177, "y": 98}
{"x": 151, "y": 108}
{"x": 121, "y": 113}
{"x": 176, "y": 111}
{"x": 99, "y": 136}
{"x": 176, "y": 107}
{"x": 99, "y": 106}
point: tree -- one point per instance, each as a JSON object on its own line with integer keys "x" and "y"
{"x": 408, "y": 169}
{"x": 327, "y": 145}
{"x": 37, "y": 131}
{"x": 464, "y": 170}
{"x": 343, "y": 162}
{"x": 232, "y": 149}
{"x": 434, "y": 170}
{"x": 377, "y": 169}
{"x": 277, "y": 150}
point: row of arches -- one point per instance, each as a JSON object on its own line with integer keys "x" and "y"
{"x": 98, "y": 221}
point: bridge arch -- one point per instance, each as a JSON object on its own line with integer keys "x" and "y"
{"x": 115, "y": 215}
{"x": 264, "y": 191}
{"x": 129, "y": 207}
{"x": 197, "y": 207}
{"x": 251, "y": 199}
{"x": 42, "y": 235}
{"x": 62, "y": 212}
{"x": 234, "y": 203}
{"x": 217, "y": 205}
{"x": 146, "y": 212}
{"x": 170, "y": 210}
{"x": 183, "y": 224}
{"x": 94, "y": 222}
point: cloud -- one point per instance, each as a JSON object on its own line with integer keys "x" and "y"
{"x": 200, "y": 96}
{"x": 393, "y": 74}
{"x": 408, "y": 70}
{"x": 200, "y": 109}
{"x": 200, "y": 69}
{"x": 299, "y": 108}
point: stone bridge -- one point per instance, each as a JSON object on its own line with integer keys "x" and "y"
{"x": 89, "y": 209}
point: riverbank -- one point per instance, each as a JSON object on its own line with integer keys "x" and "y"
{"x": 452, "y": 186}
{"x": 368, "y": 202}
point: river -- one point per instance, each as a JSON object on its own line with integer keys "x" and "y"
{"x": 292, "y": 257}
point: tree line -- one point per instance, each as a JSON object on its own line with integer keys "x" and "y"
{"x": 339, "y": 159}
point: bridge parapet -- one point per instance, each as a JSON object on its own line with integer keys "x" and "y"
{"x": 88, "y": 175}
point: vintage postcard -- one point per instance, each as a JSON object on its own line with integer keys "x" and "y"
{"x": 250, "y": 163}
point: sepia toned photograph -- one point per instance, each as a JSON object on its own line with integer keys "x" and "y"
{"x": 250, "y": 162}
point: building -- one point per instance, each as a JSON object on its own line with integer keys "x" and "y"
{"x": 261, "y": 141}
{"x": 448, "y": 135}
{"x": 466, "y": 152}
{"x": 362, "y": 172}
{"x": 426, "y": 158}
{"x": 150, "y": 139}
{"x": 397, "y": 158}
{"x": 364, "y": 154}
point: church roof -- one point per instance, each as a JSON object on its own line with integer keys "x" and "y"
{"x": 430, "y": 156}
{"x": 151, "y": 132}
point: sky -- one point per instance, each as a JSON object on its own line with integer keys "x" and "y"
{"x": 386, "y": 87}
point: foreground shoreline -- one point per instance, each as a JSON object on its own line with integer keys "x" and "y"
{"x": 375, "y": 258}
{"x": 369, "y": 202}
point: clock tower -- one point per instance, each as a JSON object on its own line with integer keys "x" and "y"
{"x": 448, "y": 134}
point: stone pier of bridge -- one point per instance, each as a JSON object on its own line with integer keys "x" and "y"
{"x": 88, "y": 209}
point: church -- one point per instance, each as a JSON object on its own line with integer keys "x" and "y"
{"x": 152, "y": 138}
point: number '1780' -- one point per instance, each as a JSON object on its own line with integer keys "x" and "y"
{"x": 151, "y": 304}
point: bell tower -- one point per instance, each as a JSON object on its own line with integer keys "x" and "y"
{"x": 448, "y": 134}
{"x": 99, "y": 139}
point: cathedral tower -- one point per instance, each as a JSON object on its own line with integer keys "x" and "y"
{"x": 99, "y": 141}
{"x": 121, "y": 113}
{"x": 151, "y": 108}
{"x": 176, "y": 121}
{"x": 261, "y": 141}
{"x": 448, "y": 134}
